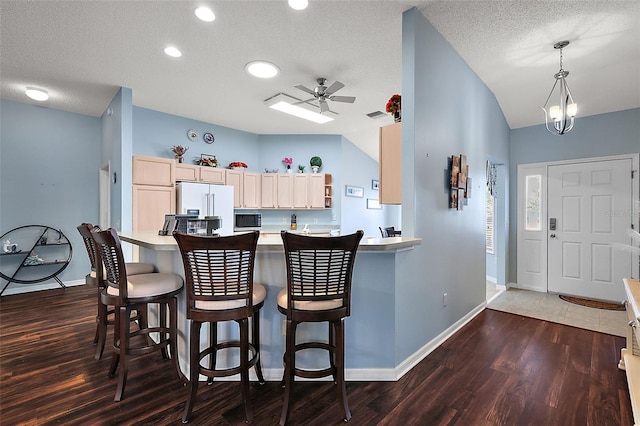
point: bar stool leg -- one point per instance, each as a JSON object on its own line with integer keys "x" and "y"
{"x": 244, "y": 367}
{"x": 341, "y": 386}
{"x": 124, "y": 313}
{"x": 194, "y": 367}
{"x": 173, "y": 336}
{"x": 289, "y": 370}
{"x": 255, "y": 329}
{"x": 213, "y": 343}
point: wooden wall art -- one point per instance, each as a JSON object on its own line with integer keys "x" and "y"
{"x": 460, "y": 182}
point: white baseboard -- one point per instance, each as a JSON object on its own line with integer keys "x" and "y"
{"x": 405, "y": 366}
{"x": 491, "y": 279}
{"x": 15, "y": 288}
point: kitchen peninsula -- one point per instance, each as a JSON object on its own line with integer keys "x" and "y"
{"x": 370, "y": 330}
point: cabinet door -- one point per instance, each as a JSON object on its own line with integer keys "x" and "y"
{"x": 187, "y": 173}
{"x": 150, "y": 204}
{"x": 390, "y": 164}
{"x": 316, "y": 193}
{"x": 285, "y": 184}
{"x": 251, "y": 190}
{"x": 300, "y": 191}
{"x": 153, "y": 171}
{"x": 212, "y": 175}
{"x": 269, "y": 190}
{"x": 234, "y": 178}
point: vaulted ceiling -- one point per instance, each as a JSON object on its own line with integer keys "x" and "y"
{"x": 83, "y": 51}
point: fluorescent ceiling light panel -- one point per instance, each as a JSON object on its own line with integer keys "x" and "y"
{"x": 284, "y": 103}
{"x": 262, "y": 69}
{"x": 172, "y": 51}
{"x": 37, "y": 94}
{"x": 205, "y": 14}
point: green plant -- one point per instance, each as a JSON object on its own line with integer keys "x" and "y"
{"x": 316, "y": 161}
{"x": 301, "y": 167}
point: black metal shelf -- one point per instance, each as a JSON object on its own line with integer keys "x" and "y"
{"x": 35, "y": 237}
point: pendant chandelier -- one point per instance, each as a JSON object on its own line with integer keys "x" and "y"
{"x": 561, "y": 115}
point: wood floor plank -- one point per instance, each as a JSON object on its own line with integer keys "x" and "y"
{"x": 500, "y": 369}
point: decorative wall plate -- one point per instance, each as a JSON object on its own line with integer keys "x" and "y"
{"x": 208, "y": 137}
{"x": 193, "y": 135}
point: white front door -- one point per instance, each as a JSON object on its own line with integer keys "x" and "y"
{"x": 589, "y": 211}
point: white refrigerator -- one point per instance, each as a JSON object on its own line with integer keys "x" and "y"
{"x": 209, "y": 200}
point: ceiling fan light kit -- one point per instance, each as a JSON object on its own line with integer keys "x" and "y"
{"x": 293, "y": 106}
{"x": 562, "y": 114}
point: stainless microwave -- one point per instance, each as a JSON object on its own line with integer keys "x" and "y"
{"x": 247, "y": 221}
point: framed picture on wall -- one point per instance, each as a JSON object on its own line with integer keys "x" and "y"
{"x": 455, "y": 169}
{"x": 373, "y": 204}
{"x": 354, "y": 191}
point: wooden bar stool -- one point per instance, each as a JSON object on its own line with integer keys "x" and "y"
{"x": 125, "y": 293}
{"x": 104, "y": 317}
{"x": 319, "y": 271}
{"x": 219, "y": 280}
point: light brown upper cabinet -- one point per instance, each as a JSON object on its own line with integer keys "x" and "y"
{"x": 390, "y": 185}
{"x": 195, "y": 173}
{"x": 153, "y": 171}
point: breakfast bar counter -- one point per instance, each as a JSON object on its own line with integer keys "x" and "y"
{"x": 370, "y": 330}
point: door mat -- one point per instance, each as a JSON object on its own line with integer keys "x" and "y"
{"x": 593, "y": 303}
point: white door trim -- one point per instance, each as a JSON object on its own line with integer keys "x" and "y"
{"x": 105, "y": 195}
{"x": 526, "y": 282}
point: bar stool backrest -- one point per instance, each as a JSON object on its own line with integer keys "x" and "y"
{"x": 319, "y": 268}
{"x": 85, "y": 231}
{"x": 109, "y": 253}
{"x": 218, "y": 269}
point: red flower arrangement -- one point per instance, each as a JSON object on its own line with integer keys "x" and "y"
{"x": 393, "y": 104}
{"x": 238, "y": 164}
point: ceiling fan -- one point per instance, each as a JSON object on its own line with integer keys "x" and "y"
{"x": 322, "y": 93}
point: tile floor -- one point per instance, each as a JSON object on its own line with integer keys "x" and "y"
{"x": 550, "y": 307}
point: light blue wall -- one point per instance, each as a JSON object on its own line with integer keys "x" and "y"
{"x": 359, "y": 170}
{"x": 117, "y": 150}
{"x": 595, "y": 136}
{"x": 154, "y": 133}
{"x": 49, "y": 175}
{"x": 447, "y": 110}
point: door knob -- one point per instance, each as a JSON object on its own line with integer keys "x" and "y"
{"x": 552, "y": 236}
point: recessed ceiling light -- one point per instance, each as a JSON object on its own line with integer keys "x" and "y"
{"x": 37, "y": 94}
{"x": 205, "y": 14}
{"x": 298, "y": 4}
{"x": 172, "y": 51}
{"x": 262, "y": 69}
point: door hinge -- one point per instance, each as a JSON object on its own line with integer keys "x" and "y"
{"x": 633, "y": 226}
{"x": 633, "y": 174}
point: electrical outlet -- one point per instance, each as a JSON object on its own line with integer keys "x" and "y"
{"x": 333, "y": 218}
{"x": 284, "y": 221}
{"x": 444, "y": 300}
{"x": 315, "y": 220}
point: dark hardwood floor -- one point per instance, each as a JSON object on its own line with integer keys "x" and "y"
{"x": 500, "y": 369}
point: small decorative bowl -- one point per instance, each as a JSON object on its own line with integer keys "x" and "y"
{"x": 271, "y": 170}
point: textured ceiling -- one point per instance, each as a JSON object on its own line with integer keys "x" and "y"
{"x": 83, "y": 51}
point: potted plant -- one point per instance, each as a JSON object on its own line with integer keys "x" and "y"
{"x": 301, "y": 168}
{"x": 288, "y": 161}
{"x": 316, "y": 163}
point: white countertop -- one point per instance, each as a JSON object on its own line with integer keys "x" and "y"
{"x": 267, "y": 242}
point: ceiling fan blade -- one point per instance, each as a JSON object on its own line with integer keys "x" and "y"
{"x": 304, "y": 89}
{"x": 333, "y": 88}
{"x": 306, "y": 101}
{"x": 323, "y": 106}
{"x": 348, "y": 99}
